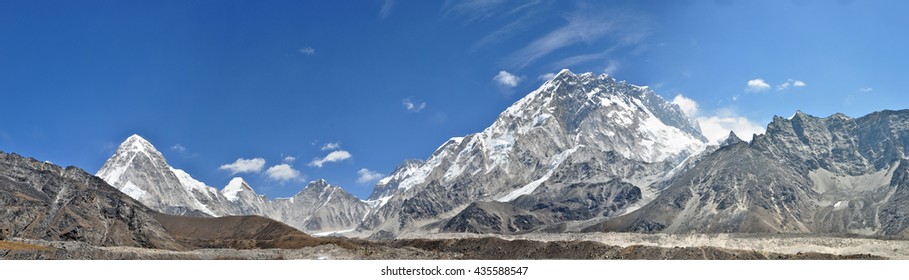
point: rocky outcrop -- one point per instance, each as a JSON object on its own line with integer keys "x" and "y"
{"x": 40, "y": 200}
{"x": 493, "y": 217}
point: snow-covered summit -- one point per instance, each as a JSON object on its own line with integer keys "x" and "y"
{"x": 234, "y": 187}
{"x": 134, "y": 146}
{"x": 138, "y": 169}
{"x": 571, "y": 119}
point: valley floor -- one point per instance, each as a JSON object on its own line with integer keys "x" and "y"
{"x": 768, "y": 243}
{"x": 528, "y": 246}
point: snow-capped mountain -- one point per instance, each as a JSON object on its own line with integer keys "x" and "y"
{"x": 804, "y": 175}
{"x": 243, "y": 200}
{"x": 321, "y": 207}
{"x": 586, "y": 152}
{"x": 140, "y": 171}
{"x": 614, "y": 138}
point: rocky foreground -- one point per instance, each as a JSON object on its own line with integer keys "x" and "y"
{"x": 492, "y": 248}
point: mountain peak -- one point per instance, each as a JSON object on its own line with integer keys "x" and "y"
{"x": 730, "y": 140}
{"x": 320, "y": 184}
{"x": 800, "y": 115}
{"x": 564, "y": 73}
{"x": 136, "y": 137}
{"x": 234, "y": 187}
{"x": 840, "y": 116}
{"x": 135, "y": 143}
{"x": 126, "y": 153}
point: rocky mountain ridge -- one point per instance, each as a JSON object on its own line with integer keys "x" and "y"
{"x": 39, "y": 200}
{"x": 806, "y": 174}
{"x": 139, "y": 170}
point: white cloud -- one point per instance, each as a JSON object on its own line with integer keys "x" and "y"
{"x": 867, "y": 89}
{"x": 612, "y": 67}
{"x": 791, "y": 82}
{"x": 506, "y": 79}
{"x": 757, "y": 85}
{"x": 366, "y": 176}
{"x": 782, "y": 86}
{"x": 308, "y": 51}
{"x": 717, "y": 126}
{"x": 331, "y": 146}
{"x": 283, "y": 172}
{"x": 289, "y": 159}
{"x": 547, "y": 76}
{"x": 413, "y": 107}
{"x": 688, "y": 106}
{"x": 386, "y": 8}
{"x": 243, "y": 165}
{"x": 334, "y": 156}
{"x": 178, "y": 148}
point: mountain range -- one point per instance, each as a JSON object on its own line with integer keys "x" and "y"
{"x": 139, "y": 170}
{"x": 588, "y": 152}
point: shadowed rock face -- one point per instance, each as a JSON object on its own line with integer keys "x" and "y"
{"x": 805, "y": 175}
{"x": 238, "y": 232}
{"x": 550, "y": 205}
{"x": 44, "y": 201}
{"x": 493, "y": 217}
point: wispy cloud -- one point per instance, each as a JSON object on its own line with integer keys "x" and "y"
{"x": 386, "y": 8}
{"x": 583, "y": 27}
{"x": 867, "y": 89}
{"x": 331, "y": 146}
{"x": 439, "y": 117}
{"x": 757, "y": 85}
{"x": 472, "y": 10}
{"x": 283, "y": 172}
{"x": 365, "y": 176}
{"x": 334, "y": 156}
{"x": 717, "y": 126}
{"x": 612, "y": 67}
{"x": 570, "y": 61}
{"x": 242, "y": 165}
{"x": 547, "y": 76}
{"x": 289, "y": 159}
{"x": 507, "y": 31}
{"x": 413, "y": 106}
{"x": 506, "y": 79}
{"x": 790, "y": 82}
{"x": 308, "y": 51}
{"x": 178, "y": 148}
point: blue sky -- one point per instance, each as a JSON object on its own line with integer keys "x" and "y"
{"x": 357, "y": 87}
